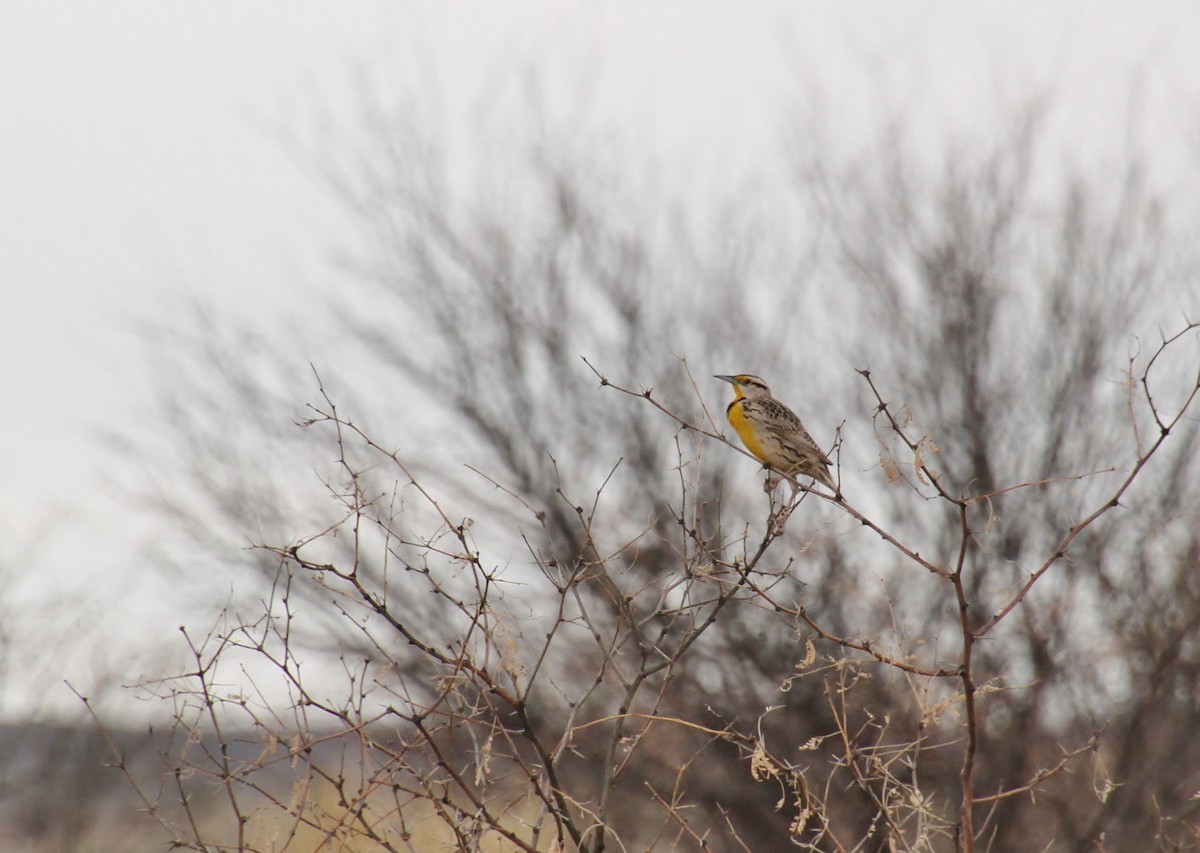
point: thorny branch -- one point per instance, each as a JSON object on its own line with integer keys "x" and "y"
{"x": 970, "y": 629}
{"x": 460, "y": 715}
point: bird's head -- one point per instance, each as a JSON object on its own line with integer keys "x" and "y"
{"x": 747, "y": 385}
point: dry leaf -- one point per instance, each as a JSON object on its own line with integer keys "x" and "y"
{"x": 810, "y": 655}
{"x": 761, "y": 766}
{"x": 800, "y": 822}
{"x": 483, "y": 761}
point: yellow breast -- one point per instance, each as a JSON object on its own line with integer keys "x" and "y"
{"x": 746, "y": 430}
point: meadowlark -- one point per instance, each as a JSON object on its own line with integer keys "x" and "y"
{"x": 773, "y": 433}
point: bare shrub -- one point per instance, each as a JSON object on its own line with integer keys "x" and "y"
{"x": 533, "y": 613}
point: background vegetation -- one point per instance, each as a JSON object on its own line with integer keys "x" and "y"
{"x": 509, "y": 587}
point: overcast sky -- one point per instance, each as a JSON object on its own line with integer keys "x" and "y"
{"x": 138, "y": 164}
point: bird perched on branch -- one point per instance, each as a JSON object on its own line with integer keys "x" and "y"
{"x": 773, "y": 433}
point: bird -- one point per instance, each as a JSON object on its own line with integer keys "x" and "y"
{"x": 773, "y": 433}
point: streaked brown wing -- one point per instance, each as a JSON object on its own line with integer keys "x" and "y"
{"x": 787, "y": 428}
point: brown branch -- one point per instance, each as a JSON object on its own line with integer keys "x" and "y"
{"x": 1048, "y": 481}
{"x": 861, "y": 778}
{"x": 967, "y": 772}
{"x": 895, "y": 426}
{"x": 1064, "y": 544}
{"x": 835, "y": 499}
{"x": 1042, "y": 775}
{"x": 865, "y": 646}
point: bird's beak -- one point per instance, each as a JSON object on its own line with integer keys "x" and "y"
{"x": 731, "y": 380}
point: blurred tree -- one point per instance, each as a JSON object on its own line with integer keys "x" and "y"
{"x": 1011, "y": 299}
{"x": 539, "y": 612}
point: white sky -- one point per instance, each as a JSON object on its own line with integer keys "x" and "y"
{"x": 134, "y": 161}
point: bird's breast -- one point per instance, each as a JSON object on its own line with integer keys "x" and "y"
{"x": 745, "y": 429}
